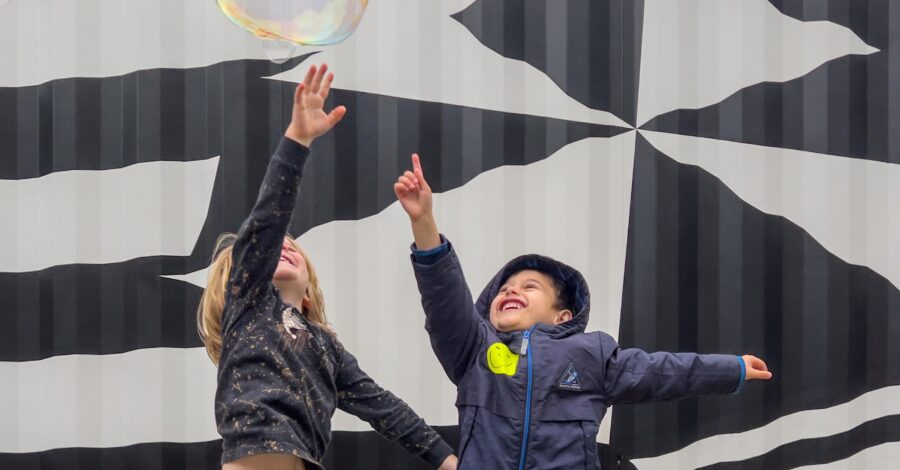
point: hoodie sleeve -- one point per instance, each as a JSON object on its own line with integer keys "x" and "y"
{"x": 388, "y": 415}
{"x": 636, "y": 376}
{"x": 454, "y": 326}
{"x": 258, "y": 244}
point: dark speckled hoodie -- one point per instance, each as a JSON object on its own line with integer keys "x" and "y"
{"x": 280, "y": 377}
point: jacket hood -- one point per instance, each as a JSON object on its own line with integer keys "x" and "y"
{"x": 572, "y": 280}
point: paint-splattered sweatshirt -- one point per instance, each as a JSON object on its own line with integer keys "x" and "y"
{"x": 280, "y": 377}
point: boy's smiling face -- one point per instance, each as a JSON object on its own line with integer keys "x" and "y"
{"x": 528, "y": 297}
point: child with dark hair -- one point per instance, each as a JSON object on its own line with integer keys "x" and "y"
{"x": 532, "y": 385}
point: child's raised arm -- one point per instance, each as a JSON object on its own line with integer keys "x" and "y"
{"x": 415, "y": 196}
{"x": 258, "y": 244}
{"x": 452, "y": 322}
{"x": 636, "y": 376}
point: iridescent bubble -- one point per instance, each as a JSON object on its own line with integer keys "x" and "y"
{"x": 307, "y": 22}
{"x": 279, "y": 50}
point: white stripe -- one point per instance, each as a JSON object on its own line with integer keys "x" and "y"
{"x": 848, "y": 205}
{"x": 404, "y": 48}
{"x": 414, "y": 49}
{"x": 148, "y": 395}
{"x": 147, "y": 209}
{"x": 876, "y": 457}
{"x": 811, "y": 424}
{"x": 50, "y": 39}
{"x": 724, "y": 46}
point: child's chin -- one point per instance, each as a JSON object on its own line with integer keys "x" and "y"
{"x": 283, "y": 274}
{"x": 506, "y": 324}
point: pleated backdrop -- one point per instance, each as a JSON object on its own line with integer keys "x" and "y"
{"x": 726, "y": 174}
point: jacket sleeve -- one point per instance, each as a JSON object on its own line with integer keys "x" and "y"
{"x": 258, "y": 245}
{"x": 454, "y": 326}
{"x": 392, "y": 418}
{"x": 636, "y": 376}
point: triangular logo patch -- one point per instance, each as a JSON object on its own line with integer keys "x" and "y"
{"x": 569, "y": 379}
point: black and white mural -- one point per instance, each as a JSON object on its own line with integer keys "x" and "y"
{"x": 726, "y": 174}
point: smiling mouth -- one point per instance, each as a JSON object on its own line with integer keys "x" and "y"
{"x": 511, "y": 305}
{"x": 286, "y": 260}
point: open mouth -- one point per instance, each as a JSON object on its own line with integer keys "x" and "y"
{"x": 511, "y": 305}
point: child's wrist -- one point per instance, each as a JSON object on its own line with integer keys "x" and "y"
{"x": 303, "y": 140}
{"x": 423, "y": 220}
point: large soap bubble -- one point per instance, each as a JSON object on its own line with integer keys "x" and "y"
{"x": 306, "y": 22}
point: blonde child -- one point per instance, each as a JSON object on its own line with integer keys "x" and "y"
{"x": 281, "y": 370}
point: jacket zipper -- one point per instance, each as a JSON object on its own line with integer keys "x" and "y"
{"x": 526, "y": 350}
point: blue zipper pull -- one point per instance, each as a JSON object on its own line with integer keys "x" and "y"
{"x": 524, "y": 349}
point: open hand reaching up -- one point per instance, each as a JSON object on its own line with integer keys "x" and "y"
{"x": 308, "y": 117}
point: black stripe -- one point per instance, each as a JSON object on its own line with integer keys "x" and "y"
{"x": 869, "y": 19}
{"x": 347, "y": 450}
{"x": 351, "y": 173}
{"x": 96, "y": 309}
{"x": 143, "y": 116}
{"x": 840, "y": 108}
{"x": 707, "y": 272}
{"x": 150, "y": 456}
{"x": 822, "y": 450}
{"x": 590, "y": 48}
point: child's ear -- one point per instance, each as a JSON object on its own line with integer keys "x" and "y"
{"x": 306, "y": 302}
{"x": 563, "y": 316}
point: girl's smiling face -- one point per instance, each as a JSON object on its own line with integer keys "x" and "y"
{"x": 291, "y": 273}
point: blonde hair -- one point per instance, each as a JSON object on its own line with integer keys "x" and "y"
{"x": 212, "y": 302}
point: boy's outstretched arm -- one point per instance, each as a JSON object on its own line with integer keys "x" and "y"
{"x": 452, "y": 323}
{"x": 636, "y": 376}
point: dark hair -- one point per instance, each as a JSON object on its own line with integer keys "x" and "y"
{"x": 565, "y": 299}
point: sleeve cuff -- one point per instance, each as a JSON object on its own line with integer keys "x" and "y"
{"x": 292, "y": 153}
{"x": 740, "y": 384}
{"x": 431, "y": 256}
{"x": 436, "y": 455}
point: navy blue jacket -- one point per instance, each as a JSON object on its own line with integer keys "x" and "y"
{"x": 546, "y": 414}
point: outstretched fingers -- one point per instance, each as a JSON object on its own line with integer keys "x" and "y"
{"x": 317, "y": 79}
{"x": 326, "y": 86}
{"x": 310, "y": 74}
